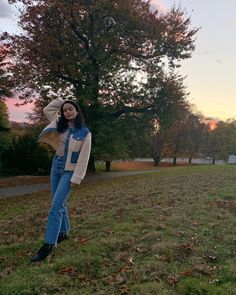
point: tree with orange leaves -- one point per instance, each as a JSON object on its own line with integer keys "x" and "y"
{"x": 94, "y": 50}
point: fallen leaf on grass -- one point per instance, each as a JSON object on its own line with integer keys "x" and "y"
{"x": 109, "y": 232}
{"x": 195, "y": 223}
{"x": 122, "y": 269}
{"x": 115, "y": 279}
{"x": 82, "y": 241}
{"x": 67, "y": 270}
{"x": 126, "y": 257}
{"x": 6, "y": 272}
{"x": 139, "y": 250}
{"x": 218, "y": 237}
{"x": 226, "y": 206}
{"x": 161, "y": 226}
{"x": 173, "y": 279}
{"x": 187, "y": 273}
{"x": 81, "y": 277}
{"x": 211, "y": 257}
{"x": 124, "y": 290}
{"x": 119, "y": 279}
{"x": 201, "y": 268}
{"x": 214, "y": 281}
{"x": 180, "y": 233}
{"x": 162, "y": 257}
{"x": 186, "y": 246}
{"x": 130, "y": 260}
{"x": 205, "y": 269}
{"x": 71, "y": 271}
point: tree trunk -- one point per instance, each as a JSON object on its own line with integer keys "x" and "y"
{"x": 190, "y": 160}
{"x": 91, "y": 164}
{"x": 108, "y": 166}
{"x": 156, "y": 163}
{"x": 174, "y": 161}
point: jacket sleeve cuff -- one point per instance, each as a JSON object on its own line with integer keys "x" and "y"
{"x": 76, "y": 179}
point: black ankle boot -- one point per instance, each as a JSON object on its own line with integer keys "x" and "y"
{"x": 62, "y": 237}
{"x": 43, "y": 252}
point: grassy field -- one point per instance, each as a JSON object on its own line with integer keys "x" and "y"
{"x": 170, "y": 232}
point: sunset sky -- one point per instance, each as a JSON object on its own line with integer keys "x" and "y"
{"x": 210, "y": 80}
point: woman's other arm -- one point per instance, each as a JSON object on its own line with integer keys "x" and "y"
{"x": 51, "y": 111}
{"x": 82, "y": 163}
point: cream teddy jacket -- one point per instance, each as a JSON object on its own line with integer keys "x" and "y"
{"x": 79, "y": 143}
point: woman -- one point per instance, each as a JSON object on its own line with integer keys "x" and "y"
{"x": 72, "y": 141}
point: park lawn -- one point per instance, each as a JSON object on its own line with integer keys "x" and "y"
{"x": 170, "y": 232}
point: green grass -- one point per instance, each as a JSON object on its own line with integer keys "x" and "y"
{"x": 170, "y": 232}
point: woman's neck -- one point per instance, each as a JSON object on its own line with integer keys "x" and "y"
{"x": 71, "y": 124}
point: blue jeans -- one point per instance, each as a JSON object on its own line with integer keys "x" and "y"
{"x": 58, "y": 219}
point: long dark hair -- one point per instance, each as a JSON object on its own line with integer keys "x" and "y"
{"x": 62, "y": 124}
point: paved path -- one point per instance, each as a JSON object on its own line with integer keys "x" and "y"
{"x": 29, "y": 189}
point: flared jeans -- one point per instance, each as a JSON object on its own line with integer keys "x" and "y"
{"x": 58, "y": 219}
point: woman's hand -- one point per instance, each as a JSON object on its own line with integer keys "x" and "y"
{"x": 73, "y": 185}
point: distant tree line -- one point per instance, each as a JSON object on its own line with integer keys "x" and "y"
{"x": 188, "y": 136}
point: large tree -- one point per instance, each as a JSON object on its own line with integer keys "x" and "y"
{"x": 93, "y": 50}
{"x": 177, "y": 135}
{"x": 196, "y": 135}
{"x": 5, "y": 84}
{"x": 171, "y": 99}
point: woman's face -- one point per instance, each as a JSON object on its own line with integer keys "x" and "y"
{"x": 69, "y": 111}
